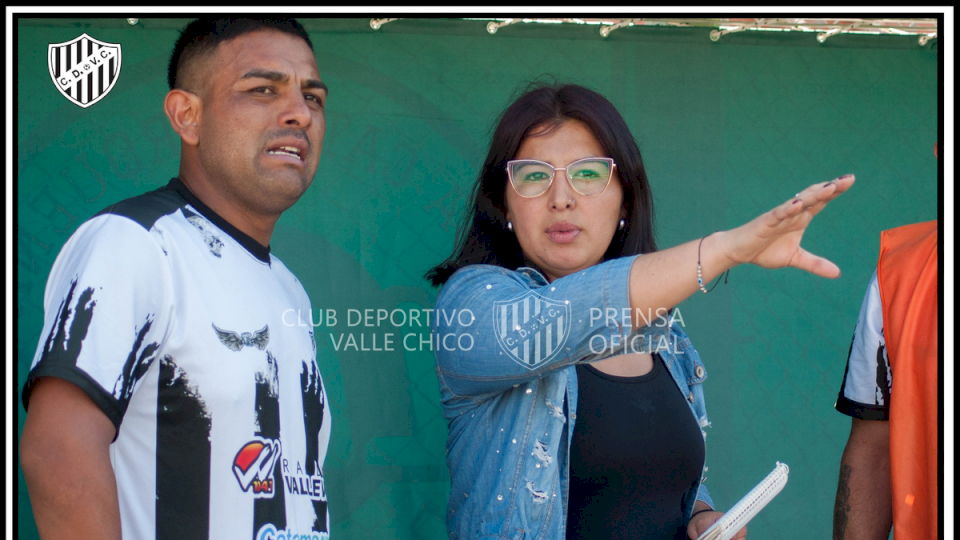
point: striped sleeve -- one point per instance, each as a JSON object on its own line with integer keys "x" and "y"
{"x": 105, "y": 313}
{"x": 865, "y": 391}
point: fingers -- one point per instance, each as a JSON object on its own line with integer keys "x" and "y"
{"x": 812, "y": 199}
{"x": 844, "y": 182}
{"x": 701, "y": 522}
{"x": 742, "y": 533}
{"x": 822, "y": 193}
{"x": 792, "y": 208}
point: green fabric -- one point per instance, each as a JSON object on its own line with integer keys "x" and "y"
{"x": 727, "y": 130}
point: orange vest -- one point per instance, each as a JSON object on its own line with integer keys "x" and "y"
{"x": 908, "y": 276}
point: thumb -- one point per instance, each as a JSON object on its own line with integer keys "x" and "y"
{"x": 804, "y": 260}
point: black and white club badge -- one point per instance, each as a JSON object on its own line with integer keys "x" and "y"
{"x": 531, "y": 329}
{"x": 84, "y": 69}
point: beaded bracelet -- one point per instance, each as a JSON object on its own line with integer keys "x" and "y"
{"x": 726, "y": 272}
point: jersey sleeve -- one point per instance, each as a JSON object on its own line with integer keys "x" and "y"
{"x": 865, "y": 391}
{"x": 107, "y": 309}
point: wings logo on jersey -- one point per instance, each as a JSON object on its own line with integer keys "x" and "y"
{"x": 235, "y": 341}
{"x": 254, "y": 464}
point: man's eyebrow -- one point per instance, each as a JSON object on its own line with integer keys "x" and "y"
{"x": 276, "y": 76}
{"x": 315, "y": 84}
{"x": 264, "y": 74}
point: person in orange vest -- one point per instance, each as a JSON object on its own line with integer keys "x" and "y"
{"x": 889, "y": 470}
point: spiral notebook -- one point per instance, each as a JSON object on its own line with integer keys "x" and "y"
{"x": 749, "y": 506}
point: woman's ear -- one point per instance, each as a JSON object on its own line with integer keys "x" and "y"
{"x": 184, "y": 109}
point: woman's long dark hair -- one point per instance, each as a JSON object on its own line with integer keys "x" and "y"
{"x": 483, "y": 238}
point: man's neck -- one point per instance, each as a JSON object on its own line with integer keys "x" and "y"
{"x": 256, "y": 226}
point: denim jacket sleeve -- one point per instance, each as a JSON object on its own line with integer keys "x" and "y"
{"x": 704, "y": 495}
{"x": 495, "y": 328}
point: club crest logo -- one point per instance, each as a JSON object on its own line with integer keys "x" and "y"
{"x": 84, "y": 69}
{"x": 531, "y": 329}
{"x": 253, "y": 466}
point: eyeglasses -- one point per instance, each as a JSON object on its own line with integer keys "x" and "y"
{"x": 588, "y": 176}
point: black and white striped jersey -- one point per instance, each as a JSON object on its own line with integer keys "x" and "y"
{"x": 865, "y": 390}
{"x": 186, "y": 333}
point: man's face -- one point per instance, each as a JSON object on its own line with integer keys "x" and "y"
{"x": 262, "y": 120}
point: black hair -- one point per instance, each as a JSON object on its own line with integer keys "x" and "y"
{"x": 482, "y": 236}
{"x": 202, "y": 36}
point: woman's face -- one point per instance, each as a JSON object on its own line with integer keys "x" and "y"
{"x": 562, "y": 231}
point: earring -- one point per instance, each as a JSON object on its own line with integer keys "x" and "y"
{"x": 622, "y": 225}
{"x": 510, "y": 226}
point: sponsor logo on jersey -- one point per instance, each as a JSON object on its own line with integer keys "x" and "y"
{"x": 253, "y": 466}
{"x": 300, "y": 483}
{"x": 84, "y": 69}
{"x": 270, "y": 532}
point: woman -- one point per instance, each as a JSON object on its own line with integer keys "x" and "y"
{"x": 544, "y": 301}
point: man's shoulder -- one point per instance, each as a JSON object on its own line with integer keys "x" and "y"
{"x": 281, "y": 269}
{"x": 909, "y": 242}
{"x": 914, "y": 229}
{"x": 145, "y": 209}
{"x": 126, "y": 229}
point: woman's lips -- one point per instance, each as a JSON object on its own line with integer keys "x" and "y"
{"x": 563, "y": 233}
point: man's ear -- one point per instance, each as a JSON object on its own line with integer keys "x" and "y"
{"x": 184, "y": 110}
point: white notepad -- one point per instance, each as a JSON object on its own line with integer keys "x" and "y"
{"x": 749, "y": 506}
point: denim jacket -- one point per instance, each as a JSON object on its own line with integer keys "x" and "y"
{"x": 506, "y": 343}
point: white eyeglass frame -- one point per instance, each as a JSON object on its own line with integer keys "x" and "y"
{"x": 613, "y": 166}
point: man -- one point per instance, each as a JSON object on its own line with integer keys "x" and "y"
{"x": 889, "y": 469}
{"x": 167, "y": 397}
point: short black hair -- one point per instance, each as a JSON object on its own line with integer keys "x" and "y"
{"x": 202, "y": 36}
{"x": 483, "y": 237}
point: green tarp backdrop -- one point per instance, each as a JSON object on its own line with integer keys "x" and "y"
{"x": 727, "y": 130}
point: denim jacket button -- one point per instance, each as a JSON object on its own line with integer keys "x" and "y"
{"x": 699, "y": 372}
{"x": 690, "y": 397}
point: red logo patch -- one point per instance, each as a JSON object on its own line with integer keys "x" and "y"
{"x": 253, "y": 466}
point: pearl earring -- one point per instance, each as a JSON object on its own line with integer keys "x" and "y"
{"x": 510, "y": 226}
{"x": 622, "y": 225}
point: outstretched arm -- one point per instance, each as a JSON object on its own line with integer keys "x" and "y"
{"x": 665, "y": 278}
{"x": 65, "y": 454}
{"x": 863, "y": 509}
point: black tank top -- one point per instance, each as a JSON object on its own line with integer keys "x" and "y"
{"x": 636, "y": 450}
